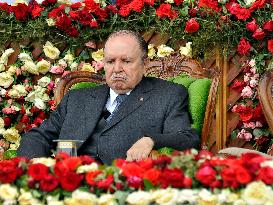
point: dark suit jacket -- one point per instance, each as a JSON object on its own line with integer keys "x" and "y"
{"x": 154, "y": 108}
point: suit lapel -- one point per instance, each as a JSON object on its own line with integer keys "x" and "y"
{"x": 94, "y": 105}
{"x": 137, "y": 97}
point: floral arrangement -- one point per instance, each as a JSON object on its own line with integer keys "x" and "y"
{"x": 183, "y": 178}
{"x": 27, "y": 86}
{"x": 252, "y": 126}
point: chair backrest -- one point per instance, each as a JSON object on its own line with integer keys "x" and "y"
{"x": 165, "y": 68}
{"x": 265, "y": 93}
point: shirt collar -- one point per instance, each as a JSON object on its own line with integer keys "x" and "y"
{"x": 114, "y": 95}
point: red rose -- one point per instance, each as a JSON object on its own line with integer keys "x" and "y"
{"x": 25, "y": 119}
{"x": 162, "y": 161}
{"x": 76, "y": 5}
{"x": 72, "y": 31}
{"x": 266, "y": 175}
{"x": 152, "y": 2}
{"x": 193, "y": 12}
{"x": 238, "y": 85}
{"x": 105, "y": 183}
{"x": 212, "y": 4}
{"x": 252, "y": 26}
{"x": 38, "y": 171}
{"x": 20, "y": 11}
{"x": 36, "y": 12}
{"x": 135, "y": 182}
{"x": 258, "y": 4}
{"x": 72, "y": 163}
{"x": 124, "y": 11}
{"x": 94, "y": 24}
{"x": 54, "y": 13}
{"x": 137, "y": 5}
{"x": 178, "y": 2}
{"x": 187, "y": 182}
{"x": 91, "y": 5}
{"x": 48, "y": 2}
{"x": 259, "y": 34}
{"x": 243, "y": 47}
{"x": 71, "y": 181}
{"x": 5, "y": 7}
{"x": 63, "y": 22}
{"x": 112, "y": 8}
{"x": 270, "y": 45}
{"x": 90, "y": 177}
{"x": 86, "y": 159}
{"x": 152, "y": 175}
{"x": 132, "y": 169}
{"x": 268, "y": 26}
{"x": 165, "y": 11}
{"x": 240, "y": 13}
{"x": 8, "y": 171}
{"x": 252, "y": 162}
{"x": 242, "y": 175}
{"x": 146, "y": 163}
{"x": 7, "y": 121}
{"x": 49, "y": 183}
{"x": 206, "y": 175}
{"x": 172, "y": 177}
{"x": 34, "y": 109}
{"x": 192, "y": 25}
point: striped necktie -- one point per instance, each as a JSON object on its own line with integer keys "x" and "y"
{"x": 119, "y": 99}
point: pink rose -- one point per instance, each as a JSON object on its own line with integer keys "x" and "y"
{"x": 18, "y": 72}
{"x": 258, "y": 124}
{"x": 97, "y": 64}
{"x": 243, "y": 134}
{"x": 247, "y": 92}
{"x": 65, "y": 73}
{"x": 57, "y": 70}
{"x": 251, "y": 125}
{"x": 8, "y": 110}
{"x": 253, "y": 83}
{"x": 246, "y": 78}
{"x": 51, "y": 85}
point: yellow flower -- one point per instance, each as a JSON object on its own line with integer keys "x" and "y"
{"x": 2, "y": 67}
{"x": 12, "y": 135}
{"x": 206, "y": 198}
{"x": 26, "y": 198}
{"x": 31, "y": 67}
{"x": 107, "y": 199}
{"x": 43, "y": 160}
{"x": 69, "y": 58}
{"x": 87, "y": 168}
{"x": 88, "y": 67}
{"x": 2, "y": 123}
{"x": 17, "y": 91}
{"x": 81, "y": 198}
{"x": 165, "y": 196}
{"x": 169, "y": 1}
{"x": 186, "y": 50}
{"x": 6, "y": 79}
{"x": 44, "y": 81}
{"x": 139, "y": 198}
{"x": 8, "y": 192}
{"x": 20, "y": 2}
{"x": 74, "y": 66}
{"x": 51, "y": 51}
{"x": 68, "y": 2}
{"x": 151, "y": 51}
{"x": 98, "y": 55}
{"x": 12, "y": 70}
{"x": 43, "y": 66}
{"x": 164, "y": 50}
{"x": 257, "y": 193}
{"x": 24, "y": 57}
{"x": 5, "y": 56}
{"x": 50, "y": 22}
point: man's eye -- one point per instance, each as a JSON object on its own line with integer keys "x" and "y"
{"x": 109, "y": 62}
{"x": 126, "y": 61}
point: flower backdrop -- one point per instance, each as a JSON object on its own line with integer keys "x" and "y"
{"x": 183, "y": 178}
{"x": 241, "y": 26}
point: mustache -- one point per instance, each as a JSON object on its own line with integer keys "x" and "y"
{"x": 118, "y": 76}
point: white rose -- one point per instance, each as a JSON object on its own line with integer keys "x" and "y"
{"x": 87, "y": 168}
{"x": 81, "y": 198}
{"x": 43, "y": 160}
{"x": 88, "y": 67}
{"x": 12, "y": 70}
{"x": 98, "y": 55}
{"x": 2, "y": 130}
{"x": 20, "y": 2}
{"x": 12, "y": 135}
{"x": 249, "y": 2}
{"x": 257, "y": 193}
{"x": 186, "y": 50}
{"x": 2, "y": 123}
{"x": 188, "y": 195}
{"x": 15, "y": 107}
{"x": 62, "y": 63}
{"x": 107, "y": 199}
{"x": 50, "y": 22}
{"x": 239, "y": 202}
{"x": 165, "y": 196}
{"x": 169, "y": 1}
{"x": 74, "y": 66}
{"x": 68, "y": 2}
{"x": 14, "y": 146}
{"x": 6, "y": 79}
{"x": 51, "y": 51}
{"x": 267, "y": 163}
{"x": 206, "y": 197}
{"x": 24, "y": 57}
{"x": 38, "y": 92}
{"x": 164, "y": 50}
{"x": 39, "y": 103}
{"x": 26, "y": 198}
{"x": 101, "y": 2}
{"x": 17, "y": 91}
{"x": 31, "y": 67}
{"x": 139, "y": 198}
{"x": 44, "y": 81}
{"x": 43, "y": 66}
{"x": 2, "y": 67}
{"x": 151, "y": 51}
{"x": 69, "y": 58}
{"x": 8, "y": 192}
{"x": 3, "y": 92}
{"x": 5, "y": 56}
{"x": 53, "y": 201}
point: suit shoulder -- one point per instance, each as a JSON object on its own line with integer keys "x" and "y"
{"x": 82, "y": 92}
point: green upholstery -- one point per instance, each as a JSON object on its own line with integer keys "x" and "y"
{"x": 83, "y": 85}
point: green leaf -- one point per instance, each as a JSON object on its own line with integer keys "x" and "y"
{"x": 148, "y": 185}
{"x": 258, "y": 132}
{"x": 234, "y": 134}
{"x": 36, "y": 193}
{"x": 10, "y": 154}
{"x": 121, "y": 197}
{"x": 67, "y": 10}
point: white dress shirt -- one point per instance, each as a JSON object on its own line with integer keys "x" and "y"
{"x": 111, "y": 102}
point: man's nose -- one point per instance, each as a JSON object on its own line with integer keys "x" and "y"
{"x": 117, "y": 66}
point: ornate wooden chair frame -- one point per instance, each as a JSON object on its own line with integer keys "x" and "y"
{"x": 164, "y": 68}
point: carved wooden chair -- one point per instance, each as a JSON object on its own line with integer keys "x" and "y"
{"x": 164, "y": 68}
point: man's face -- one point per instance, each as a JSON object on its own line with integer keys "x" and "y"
{"x": 123, "y": 63}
